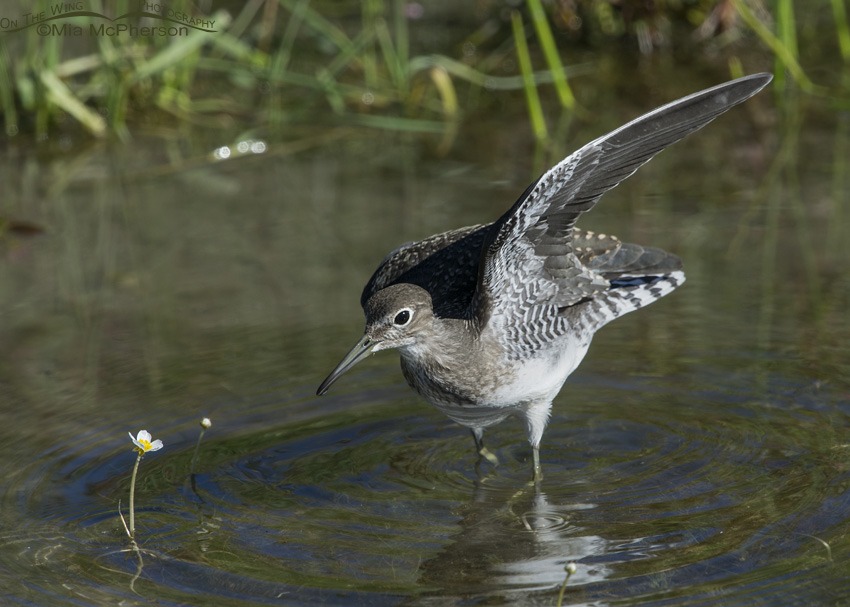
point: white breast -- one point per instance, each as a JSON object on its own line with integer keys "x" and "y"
{"x": 540, "y": 378}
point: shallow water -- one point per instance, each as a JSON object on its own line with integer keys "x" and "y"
{"x": 698, "y": 456}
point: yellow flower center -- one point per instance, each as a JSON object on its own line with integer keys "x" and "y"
{"x": 146, "y": 445}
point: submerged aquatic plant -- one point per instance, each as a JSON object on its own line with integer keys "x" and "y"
{"x": 143, "y": 444}
{"x": 205, "y": 423}
{"x": 570, "y": 569}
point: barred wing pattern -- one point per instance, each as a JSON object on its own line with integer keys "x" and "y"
{"x": 530, "y": 273}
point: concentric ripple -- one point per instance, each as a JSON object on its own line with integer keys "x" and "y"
{"x": 674, "y": 494}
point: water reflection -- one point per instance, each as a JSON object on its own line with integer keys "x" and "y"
{"x": 517, "y": 542}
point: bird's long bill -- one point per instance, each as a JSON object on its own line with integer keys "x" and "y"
{"x": 360, "y": 351}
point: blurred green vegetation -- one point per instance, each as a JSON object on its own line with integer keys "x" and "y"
{"x": 270, "y": 63}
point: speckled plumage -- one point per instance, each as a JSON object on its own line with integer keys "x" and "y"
{"x": 490, "y": 320}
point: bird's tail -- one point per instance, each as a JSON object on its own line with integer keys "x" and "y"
{"x": 630, "y": 292}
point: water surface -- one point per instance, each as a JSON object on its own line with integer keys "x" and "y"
{"x": 698, "y": 456}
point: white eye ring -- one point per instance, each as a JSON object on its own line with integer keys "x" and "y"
{"x": 403, "y": 317}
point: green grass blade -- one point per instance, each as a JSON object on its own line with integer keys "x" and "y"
{"x": 535, "y": 109}
{"x": 402, "y": 35}
{"x": 839, "y": 14}
{"x": 478, "y": 78}
{"x": 786, "y": 30}
{"x": 244, "y": 18}
{"x": 248, "y": 55}
{"x": 448, "y": 98}
{"x": 396, "y": 123}
{"x": 327, "y": 75}
{"x": 782, "y": 52}
{"x": 396, "y": 69}
{"x": 370, "y": 13}
{"x": 319, "y": 24}
{"x": 550, "y": 51}
{"x": 59, "y": 93}
{"x": 787, "y": 26}
{"x": 736, "y": 70}
{"x": 348, "y": 55}
{"x": 283, "y": 55}
{"x": 7, "y": 97}
{"x": 181, "y": 48}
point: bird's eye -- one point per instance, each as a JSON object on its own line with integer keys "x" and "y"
{"x": 402, "y": 318}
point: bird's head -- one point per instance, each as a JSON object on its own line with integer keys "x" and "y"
{"x": 395, "y": 318}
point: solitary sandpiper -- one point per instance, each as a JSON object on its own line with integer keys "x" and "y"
{"x": 490, "y": 320}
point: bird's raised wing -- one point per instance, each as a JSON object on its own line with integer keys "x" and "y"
{"x": 528, "y": 260}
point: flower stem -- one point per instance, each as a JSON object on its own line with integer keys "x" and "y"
{"x": 133, "y": 498}
{"x": 197, "y": 448}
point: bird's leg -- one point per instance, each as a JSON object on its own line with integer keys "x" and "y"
{"x": 537, "y": 471}
{"x": 483, "y": 452}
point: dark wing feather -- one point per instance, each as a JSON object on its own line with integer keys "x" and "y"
{"x": 608, "y": 256}
{"x": 446, "y": 265}
{"x": 528, "y": 259}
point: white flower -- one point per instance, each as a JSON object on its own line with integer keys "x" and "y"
{"x": 206, "y": 423}
{"x": 143, "y": 442}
